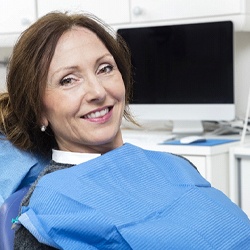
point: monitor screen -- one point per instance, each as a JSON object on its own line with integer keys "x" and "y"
{"x": 182, "y": 72}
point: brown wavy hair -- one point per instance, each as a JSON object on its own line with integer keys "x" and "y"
{"x": 21, "y": 106}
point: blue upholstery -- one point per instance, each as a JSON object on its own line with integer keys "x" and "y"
{"x": 8, "y": 211}
{"x": 13, "y": 178}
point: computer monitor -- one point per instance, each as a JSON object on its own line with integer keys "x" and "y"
{"x": 182, "y": 73}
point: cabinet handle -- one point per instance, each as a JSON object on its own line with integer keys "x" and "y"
{"x": 137, "y": 11}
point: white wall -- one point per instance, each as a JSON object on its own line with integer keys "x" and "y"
{"x": 242, "y": 71}
{"x": 4, "y": 54}
{"x": 2, "y": 78}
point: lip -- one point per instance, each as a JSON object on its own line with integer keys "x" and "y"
{"x": 101, "y": 119}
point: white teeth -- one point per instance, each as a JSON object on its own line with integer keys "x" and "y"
{"x": 98, "y": 113}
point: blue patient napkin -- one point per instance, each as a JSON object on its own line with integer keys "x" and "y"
{"x": 130, "y": 198}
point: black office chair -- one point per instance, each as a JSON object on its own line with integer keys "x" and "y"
{"x": 8, "y": 211}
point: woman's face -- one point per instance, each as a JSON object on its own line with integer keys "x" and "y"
{"x": 85, "y": 95}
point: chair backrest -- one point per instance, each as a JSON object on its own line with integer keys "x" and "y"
{"x": 8, "y": 211}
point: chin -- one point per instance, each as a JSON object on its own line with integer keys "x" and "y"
{"x": 107, "y": 138}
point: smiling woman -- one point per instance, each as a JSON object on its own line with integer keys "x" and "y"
{"x": 69, "y": 83}
{"x": 85, "y": 92}
{"x": 48, "y": 71}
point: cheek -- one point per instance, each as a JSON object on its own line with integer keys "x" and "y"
{"x": 118, "y": 89}
{"x": 121, "y": 93}
{"x": 57, "y": 105}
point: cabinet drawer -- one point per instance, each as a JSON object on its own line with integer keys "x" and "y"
{"x": 111, "y": 11}
{"x": 245, "y": 185}
{"x": 148, "y": 10}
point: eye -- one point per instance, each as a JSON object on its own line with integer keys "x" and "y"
{"x": 105, "y": 69}
{"x": 68, "y": 80}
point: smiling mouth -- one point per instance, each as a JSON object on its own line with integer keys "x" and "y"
{"x": 97, "y": 114}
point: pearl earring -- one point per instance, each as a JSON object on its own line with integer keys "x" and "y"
{"x": 43, "y": 128}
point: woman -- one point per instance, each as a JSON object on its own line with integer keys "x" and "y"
{"x": 68, "y": 86}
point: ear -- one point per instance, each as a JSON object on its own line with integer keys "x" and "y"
{"x": 44, "y": 121}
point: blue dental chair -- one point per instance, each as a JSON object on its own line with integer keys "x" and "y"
{"x": 8, "y": 211}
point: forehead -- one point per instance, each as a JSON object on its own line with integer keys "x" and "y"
{"x": 76, "y": 46}
{"x": 77, "y": 36}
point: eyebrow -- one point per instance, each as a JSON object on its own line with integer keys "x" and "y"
{"x": 65, "y": 69}
{"x": 77, "y": 67}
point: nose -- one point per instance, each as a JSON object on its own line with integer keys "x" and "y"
{"x": 95, "y": 91}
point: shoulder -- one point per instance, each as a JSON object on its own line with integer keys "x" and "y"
{"x": 52, "y": 167}
{"x": 177, "y": 169}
